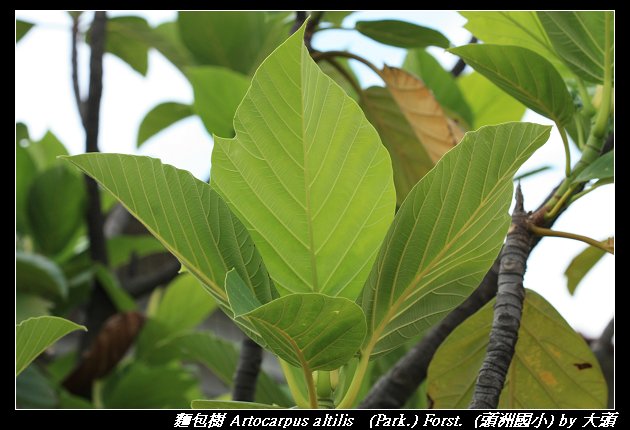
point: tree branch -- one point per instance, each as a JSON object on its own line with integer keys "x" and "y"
{"x": 247, "y": 371}
{"x": 99, "y": 306}
{"x": 143, "y": 283}
{"x": 75, "y": 68}
{"x": 604, "y": 350}
{"x": 507, "y": 311}
{"x": 461, "y": 64}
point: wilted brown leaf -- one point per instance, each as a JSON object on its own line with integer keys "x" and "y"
{"x": 432, "y": 127}
{"x": 108, "y": 348}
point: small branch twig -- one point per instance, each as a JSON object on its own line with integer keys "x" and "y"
{"x": 247, "y": 371}
{"x": 353, "y": 82}
{"x": 541, "y": 231}
{"x": 461, "y": 64}
{"x": 507, "y": 311}
{"x": 317, "y": 56}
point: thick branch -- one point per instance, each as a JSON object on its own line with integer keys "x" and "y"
{"x": 99, "y": 307}
{"x": 142, "y": 283}
{"x": 508, "y": 311}
{"x": 604, "y": 350}
{"x": 247, "y": 371}
{"x": 461, "y": 64}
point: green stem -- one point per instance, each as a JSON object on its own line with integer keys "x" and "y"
{"x": 357, "y": 380}
{"x": 541, "y": 231}
{"x": 580, "y": 132}
{"x": 588, "y": 107}
{"x": 294, "y": 386}
{"x": 593, "y": 187}
{"x": 567, "y": 152}
{"x": 322, "y": 55}
{"x": 310, "y": 385}
{"x": 324, "y": 390}
{"x": 553, "y": 212}
{"x": 343, "y": 72}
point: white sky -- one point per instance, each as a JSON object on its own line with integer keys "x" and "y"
{"x": 44, "y": 100}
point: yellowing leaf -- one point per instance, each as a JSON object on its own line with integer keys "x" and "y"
{"x": 433, "y": 128}
{"x": 552, "y": 366}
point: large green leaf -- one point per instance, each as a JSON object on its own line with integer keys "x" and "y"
{"x": 580, "y": 39}
{"x": 229, "y": 404}
{"x": 441, "y": 82}
{"x": 581, "y": 265}
{"x": 517, "y": 28}
{"x": 21, "y": 28}
{"x": 446, "y": 234}
{"x": 37, "y": 274}
{"x": 55, "y": 208}
{"x": 220, "y": 357}
{"x": 602, "y": 168}
{"x": 139, "y": 386}
{"x": 336, "y": 17}
{"x": 307, "y": 175}
{"x": 525, "y": 75}
{"x": 410, "y": 160}
{"x": 34, "y": 335}
{"x": 402, "y": 34}
{"x": 552, "y": 368}
{"x": 242, "y": 300}
{"x": 237, "y": 40}
{"x": 183, "y": 306}
{"x": 30, "y": 305}
{"x": 311, "y": 331}
{"x": 25, "y": 173}
{"x": 119, "y": 41}
{"x": 160, "y": 117}
{"x": 490, "y": 105}
{"x": 167, "y": 40}
{"x": 46, "y": 150}
{"x": 186, "y": 215}
{"x": 218, "y": 91}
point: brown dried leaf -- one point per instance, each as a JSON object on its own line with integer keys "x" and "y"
{"x": 108, "y": 348}
{"x": 432, "y": 127}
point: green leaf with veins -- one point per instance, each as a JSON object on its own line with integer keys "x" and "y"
{"x": 160, "y": 117}
{"x": 446, "y": 234}
{"x": 580, "y": 40}
{"x": 34, "y": 335}
{"x": 187, "y": 216}
{"x": 523, "y": 74}
{"x": 311, "y": 331}
{"x": 308, "y": 176}
{"x": 402, "y": 34}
